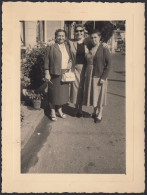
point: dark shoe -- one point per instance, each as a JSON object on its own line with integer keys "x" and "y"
{"x": 94, "y": 115}
{"x": 97, "y": 120}
{"x": 62, "y": 115}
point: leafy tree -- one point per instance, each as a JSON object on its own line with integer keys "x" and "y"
{"x": 105, "y": 27}
{"x": 120, "y": 25}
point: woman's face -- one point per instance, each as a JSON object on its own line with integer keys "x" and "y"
{"x": 95, "y": 38}
{"x": 79, "y": 33}
{"x": 60, "y": 38}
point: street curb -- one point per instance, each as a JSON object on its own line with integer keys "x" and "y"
{"x": 30, "y": 127}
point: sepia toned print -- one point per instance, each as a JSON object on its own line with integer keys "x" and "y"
{"x": 91, "y": 138}
{"x": 97, "y": 141}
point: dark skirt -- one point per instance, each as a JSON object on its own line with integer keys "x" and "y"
{"x": 58, "y": 91}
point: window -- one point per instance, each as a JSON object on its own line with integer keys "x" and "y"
{"x": 22, "y": 33}
{"x": 40, "y": 31}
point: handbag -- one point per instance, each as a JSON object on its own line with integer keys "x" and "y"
{"x": 68, "y": 76}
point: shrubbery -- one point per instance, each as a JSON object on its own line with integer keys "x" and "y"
{"x": 32, "y": 67}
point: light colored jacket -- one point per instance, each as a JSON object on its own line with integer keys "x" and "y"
{"x": 53, "y": 59}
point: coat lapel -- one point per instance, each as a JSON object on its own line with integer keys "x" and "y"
{"x": 75, "y": 45}
{"x": 57, "y": 47}
{"x": 67, "y": 48}
{"x": 99, "y": 47}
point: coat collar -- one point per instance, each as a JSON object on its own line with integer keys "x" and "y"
{"x": 100, "y": 46}
{"x": 75, "y": 44}
{"x": 66, "y": 46}
{"x": 57, "y": 46}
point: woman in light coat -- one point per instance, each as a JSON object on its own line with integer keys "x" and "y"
{"x": 78, "y": 51}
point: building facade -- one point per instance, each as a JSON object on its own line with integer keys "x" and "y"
{"x": 34, "y": 31}
{"x": 44, "y": 31}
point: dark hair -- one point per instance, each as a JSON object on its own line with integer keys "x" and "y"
{"x": 60, "y": 30}
{"x": 95, "y": 31}
{"x": 79, "y": 25}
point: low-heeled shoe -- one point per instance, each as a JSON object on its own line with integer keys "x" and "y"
{"x": 97, "y": 120}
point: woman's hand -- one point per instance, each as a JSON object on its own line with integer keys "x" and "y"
{"x": 101, "y": 81}
{"x": 47, "y": 75}
{"x": 86, "y": 50}
{"x": 105, "y": 45}
{"x": 51, "y": 42}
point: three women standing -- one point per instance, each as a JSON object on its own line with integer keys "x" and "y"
{"x": 91, "y": 69}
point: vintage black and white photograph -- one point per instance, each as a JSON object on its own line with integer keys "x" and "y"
{"x": 73, "y": 100}
{"x": 73, "y": 97}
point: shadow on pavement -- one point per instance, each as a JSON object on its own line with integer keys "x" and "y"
{"x": 47, "y": 111}
{"x": 71, "y": 111}
{"x": 67, "y": 110}
{"x": 29, "y": 153}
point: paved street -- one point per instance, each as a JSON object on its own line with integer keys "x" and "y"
{"x": 78, "y": 145}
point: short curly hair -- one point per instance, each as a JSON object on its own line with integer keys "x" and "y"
{"x": 79, "y": 25}
{"x": 60, "y": 30}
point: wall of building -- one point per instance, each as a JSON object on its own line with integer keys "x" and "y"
{"x": 51, "y": 27}
{"x": 30, "y": 33}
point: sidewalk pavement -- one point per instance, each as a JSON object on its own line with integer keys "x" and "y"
{"x": 31, "y": 119}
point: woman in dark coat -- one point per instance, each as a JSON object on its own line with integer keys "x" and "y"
{"x": 57, "y": 61}
{"x": 98, "y": 67}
